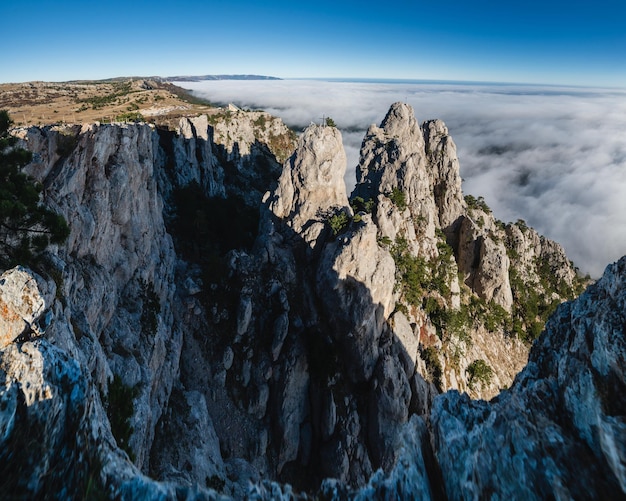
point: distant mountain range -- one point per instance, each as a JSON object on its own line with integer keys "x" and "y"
{"x": 218, "y": 77}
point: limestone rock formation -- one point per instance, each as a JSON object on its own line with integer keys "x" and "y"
{"x": 394, "y": 167}
{"x": 484, "y": 261}
{"x": 56, "y": 440}
{"x": 117, "y": 268}
{"x": 355, "y": 282}
{"x": 445, "y": 176}
{"x": 316, "y": 347}
{"x": 193, "y": 158}
{"x": 252, "y": 147}
{"x": 311, "y": 186}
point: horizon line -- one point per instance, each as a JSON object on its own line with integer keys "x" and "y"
{"x": 347, "y": 79}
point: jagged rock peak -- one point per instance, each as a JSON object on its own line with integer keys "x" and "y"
{"x": 410, "y": 182}
{"x": 446, "y": 178}
{"x": 391, "y": 154}
{"x": 420, "y": 161}
{"x": 400, "y": 122}
{"x": 311, "y": 185}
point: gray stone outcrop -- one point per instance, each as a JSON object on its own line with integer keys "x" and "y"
{"x": 355, "y": 282}
{"x": 310, "y": 350}
{"x": 311, "y": 186}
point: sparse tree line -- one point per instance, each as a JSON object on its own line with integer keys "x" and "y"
{"x": 27, "y": 227}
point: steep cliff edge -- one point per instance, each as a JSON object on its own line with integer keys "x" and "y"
{"x": 297, "y": 341}
{"x": 560, "y": 431}
{"x": 117, "y": 306}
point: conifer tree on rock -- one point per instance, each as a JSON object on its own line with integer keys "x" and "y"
{"x": 26, "y": 226}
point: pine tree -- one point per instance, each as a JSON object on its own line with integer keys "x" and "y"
{"x": 26, "y": 226}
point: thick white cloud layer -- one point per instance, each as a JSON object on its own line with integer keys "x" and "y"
{"x": 555, "y": 157}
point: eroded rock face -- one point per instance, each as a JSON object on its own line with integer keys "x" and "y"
{"x": 484, "y": 263}
{"x": 394, "y": 167}
{"x": 445, "y": 175}
{"x": 312, "y": 350}
{"x": 192, "y": 158}
{"x": 355, "y": 282}
{"x": 45, "y": 399}
{"x": 54, "y": 435}
{"x": 117, "y": 266}
{"x": 311, "y": 186}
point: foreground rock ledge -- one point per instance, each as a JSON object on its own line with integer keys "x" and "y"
{"x": 560, "y": 431}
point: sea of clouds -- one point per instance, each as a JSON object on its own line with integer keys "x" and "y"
{"x": 553, "y": 156}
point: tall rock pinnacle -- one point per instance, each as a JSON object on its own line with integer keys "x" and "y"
{"x": 311, "y": 184}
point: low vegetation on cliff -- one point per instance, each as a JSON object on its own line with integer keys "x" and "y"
{"x": 27, "y": 227}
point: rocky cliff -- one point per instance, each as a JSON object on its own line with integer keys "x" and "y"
{"x": 224, "y": 322}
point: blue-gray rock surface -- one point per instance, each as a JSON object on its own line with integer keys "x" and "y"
{"x": 300, "y": 340}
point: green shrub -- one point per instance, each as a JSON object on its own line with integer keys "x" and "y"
{"x": 360, "y": 205}
{"x": 477, "y": 203}
{"x": 442, "y": 269}
{"x": 433, "y": 366}
{"x": 339, "y": 222}
{"x": 120, "y": 407}
{"x": 26, "y": 226}
{"x": 496, "y": 317}
{"x": 412, "y": 273}
{"x": 398, "y": 198}
{"x": 131, "y": 116}
{"x": 521, "y": 224}
{"x": 385, "y": 241}
{"x": 479, "y": 373}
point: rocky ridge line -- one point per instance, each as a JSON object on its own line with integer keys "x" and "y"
{"x": 317, "y": 347}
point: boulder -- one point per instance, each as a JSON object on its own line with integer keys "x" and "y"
{"x": 24, "y": 297}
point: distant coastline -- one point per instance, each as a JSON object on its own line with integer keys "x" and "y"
{"x": 202, "y": 78}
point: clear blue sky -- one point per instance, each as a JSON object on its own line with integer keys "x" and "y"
{"x": 548, "y": 41}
